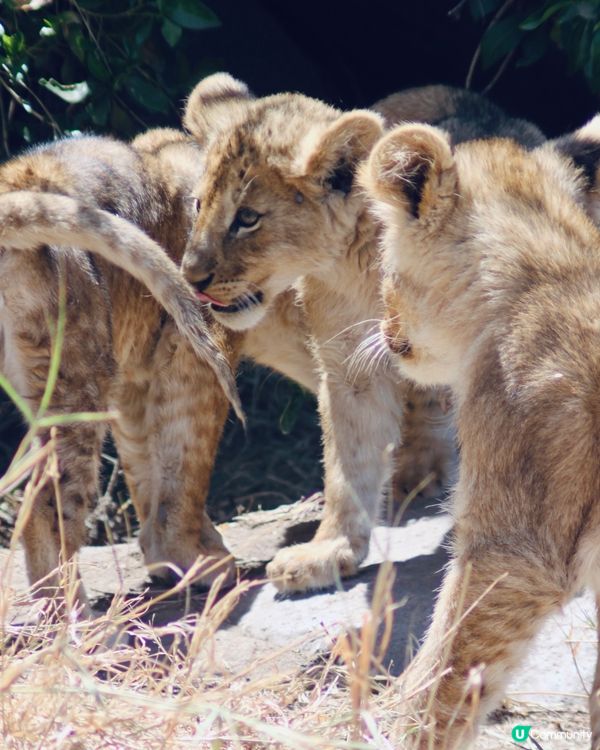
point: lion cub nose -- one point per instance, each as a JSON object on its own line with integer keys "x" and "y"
{"x": 197, "y": 267}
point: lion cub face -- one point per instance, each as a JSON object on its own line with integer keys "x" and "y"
{"x": 277, "y": 199}
{"x": 466, "y": 230}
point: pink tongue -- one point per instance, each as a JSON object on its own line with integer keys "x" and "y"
{"x": 207, "y": 298}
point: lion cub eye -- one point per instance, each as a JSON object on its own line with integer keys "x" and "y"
{"x": 245, "y": 218}
{"x": 197, "y": 203}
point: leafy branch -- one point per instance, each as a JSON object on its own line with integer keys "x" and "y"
{"x": 521, "y": 32}
{"x": 102, "y": 65}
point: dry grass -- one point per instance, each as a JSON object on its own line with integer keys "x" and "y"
{"x": 119, "y": 682}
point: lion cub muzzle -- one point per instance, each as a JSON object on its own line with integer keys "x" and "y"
{"x": 397, "y": 343}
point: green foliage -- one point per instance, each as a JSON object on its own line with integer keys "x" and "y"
{"x": 118, "y": 66}
{"x": 524, "y": 31}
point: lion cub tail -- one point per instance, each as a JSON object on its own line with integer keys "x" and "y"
{"x": 28, "y": 219}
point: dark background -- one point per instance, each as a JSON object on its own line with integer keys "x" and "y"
{"x": 351, "y": 53}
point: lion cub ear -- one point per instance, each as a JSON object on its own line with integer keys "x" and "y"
{"x": 214, "y": 104}
{"x": 583, "y": 148}
{"x": 413, "y": 170}
{"x": 332, "y": 160}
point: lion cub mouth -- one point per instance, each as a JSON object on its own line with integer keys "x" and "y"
{"x": 245, "y": 302}
{"x": 239, "y": 304}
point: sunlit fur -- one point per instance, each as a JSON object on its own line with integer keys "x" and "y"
{"x": 492, "y": 285}
{"x": 292, "y": 159}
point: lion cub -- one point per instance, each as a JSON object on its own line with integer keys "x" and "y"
{"x": 120, "y": 350}
{"x": 280, "y": 208}
{"x": 492, "y": 285}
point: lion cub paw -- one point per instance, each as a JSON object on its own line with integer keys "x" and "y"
{"x": 204, "y": 552}
{"x": 313, "y": 565}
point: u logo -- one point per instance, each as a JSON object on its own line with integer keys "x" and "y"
{"x": 520, "y": 733}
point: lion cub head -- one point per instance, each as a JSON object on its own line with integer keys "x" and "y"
{"x": 470, "y": 233}
{"x": 277, "y": 200}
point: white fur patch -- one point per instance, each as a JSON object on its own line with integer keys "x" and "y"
{"x": 242, "y": 320}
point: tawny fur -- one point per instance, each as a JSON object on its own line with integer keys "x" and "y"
{"x": 288, "y": 161}
{"x": 167, "y": 378}
{"x": 492, "y": 269}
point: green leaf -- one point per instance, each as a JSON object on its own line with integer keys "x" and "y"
{"x": 500, "y": 39}
{"x": 578, "y": 51}
{"x": 14, "y": 45}
{"x": 189, "y": 14}
{"x": 536, "y": 20}
{"x": 78, "y": 43}
{"x": 73, "y": 93}
{"x": 171, "y": 32}
{"x": 533, "y": 48}
{"x": 97, "y": 66}
{"x": 19, "y": 402}
{"x": 146, "y": 93}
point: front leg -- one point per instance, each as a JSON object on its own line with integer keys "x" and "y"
{"x": 360, "y": 427}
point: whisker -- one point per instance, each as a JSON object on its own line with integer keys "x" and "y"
{"x": 382, "y": 358}
{"x": 366, "y": 343}
{"x": 377, "y": 321}
{"x": 362, "y": 350}
{"x": 369, "y": 356}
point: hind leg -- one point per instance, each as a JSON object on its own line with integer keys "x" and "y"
{"x": 492, "y": 603}
{"x": 185, "y": 413}
{"x": 56, "y": 525}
